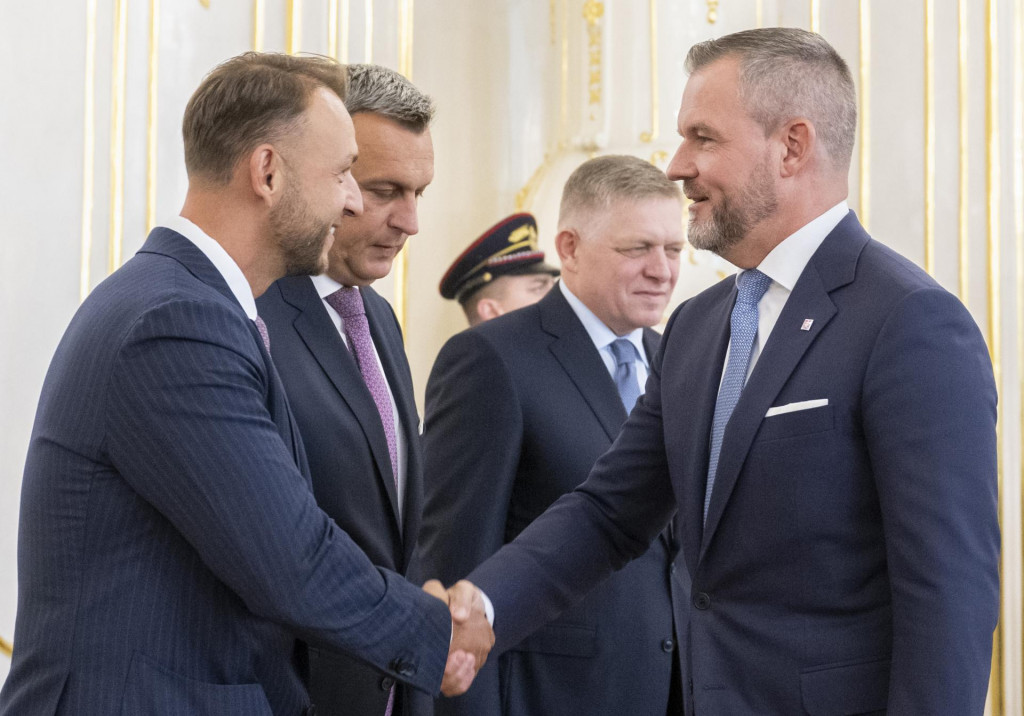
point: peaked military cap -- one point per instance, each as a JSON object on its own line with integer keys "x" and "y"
{"x": 508, "y": 248}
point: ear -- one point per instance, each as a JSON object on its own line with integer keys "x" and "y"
{"x": 488, "y": 308}
{"x": 799, "y": 143}
{"x": 266, "y": 175}
{"x": 567, "y": 242}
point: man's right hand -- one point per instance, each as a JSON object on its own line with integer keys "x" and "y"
{"x": 472, "y": 636}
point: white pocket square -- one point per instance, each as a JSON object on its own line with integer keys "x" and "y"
{"x": 793, "y": 407}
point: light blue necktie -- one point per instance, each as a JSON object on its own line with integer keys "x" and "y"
{"x": 625, "y": 371}
{"x": 742, "y": 330}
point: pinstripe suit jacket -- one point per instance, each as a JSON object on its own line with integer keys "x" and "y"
{"x": 170, "y": 548}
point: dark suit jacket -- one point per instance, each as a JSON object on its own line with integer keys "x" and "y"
{"x": 170, "y": 548}
{"x": 518, "y": 409}
{"x": 850, "y": 557}
{"x": 348, "y": 455}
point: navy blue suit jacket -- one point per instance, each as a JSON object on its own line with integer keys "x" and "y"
{"x": 348, "y": 457}
{"x": 170, "y": 548}
{"x": 518, "y": 410}
{"x": 850, "y": 558}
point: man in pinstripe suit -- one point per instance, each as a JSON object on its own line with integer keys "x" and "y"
{"x": 170, "y": 547}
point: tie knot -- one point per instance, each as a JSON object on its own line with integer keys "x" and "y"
{"x": 752, "y": 286}
{"x": 347, "y": 301}
{"x": 624, "y": 351}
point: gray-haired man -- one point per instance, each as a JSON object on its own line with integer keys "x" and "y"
{"x": 346, "y": 374}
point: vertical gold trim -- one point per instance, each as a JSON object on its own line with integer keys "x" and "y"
{"x": 963, "y": 98}
{"x": 759, "y": 13}
{"x": 865, "y": 113}
{"x": 652, "y": 136}
{"x": 89, "y": 149}
{"x": 6, "y": 647}
{"x": 405, "y": 19}
{"x": 117, "y": 121}
{"x": 332, "y": 28}
{"x": 346, "y": 23}
{"x": 815, "y": 15}
{"x": 293, "y": 27}
{"x": 151, "y": 123}
{"x": 258, "y": 25}
{"x": 992, "y": 196}
{"x": 563, "y": 117}
{"x": 405, "y": 30}
{"x": 929, "y": 136}
{"x": 369, "y": 31}
{"x": 1018, "y": 196}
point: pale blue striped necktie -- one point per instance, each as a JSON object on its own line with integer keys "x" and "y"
{"x": 742, "y": 331}
{"x": 626, "y": 379}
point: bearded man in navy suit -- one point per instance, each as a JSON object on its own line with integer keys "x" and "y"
{"x": 170, "y": 547}
{"x": 824, "y": 423}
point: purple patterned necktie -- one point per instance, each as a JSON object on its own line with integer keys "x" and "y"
{"x": 262, "y": 328}
{"x": 348, "y": 302}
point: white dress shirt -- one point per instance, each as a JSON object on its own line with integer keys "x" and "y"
{"x": 325, "y": 286}
{"x": 221, "y": 261}
{"x": 783, "y": 265}
{"x": 603, "y": 336}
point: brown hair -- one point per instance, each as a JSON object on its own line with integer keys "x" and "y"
{"x": 250, "y": 99}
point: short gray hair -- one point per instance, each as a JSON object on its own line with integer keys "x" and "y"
{"x": 597, "y": 182}
{"x": 380, "y": 90}
{"x": 787, "y": 73}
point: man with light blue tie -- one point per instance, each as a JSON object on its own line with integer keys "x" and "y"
{"x": 518, "y": 409}
{"x": 824, "y": 423}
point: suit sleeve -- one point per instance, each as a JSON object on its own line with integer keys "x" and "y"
{"x": 472, "y": 435}
{"x": 189, "y": 429}
{"x": 929, "y": 420}
{"x": 589, "y": 533}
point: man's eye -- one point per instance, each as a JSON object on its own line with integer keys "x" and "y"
{"x": 634, "y": 252}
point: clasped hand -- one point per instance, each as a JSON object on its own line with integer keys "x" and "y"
{"x": 472, "y": 636}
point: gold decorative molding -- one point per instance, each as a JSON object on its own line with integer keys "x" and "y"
{"x": 929, "y": 136}
{"x": 6, "y": 647}
{"x": 593, "y": 11}
{"x": 405, "y": 30}
{"x": 658, "y": 157}
{"x": 151, "y": 120}
{"x": 293, "y": 27}
{"x": 864, "y": 73}
{"x": 652, "y": 135}
{"x": 524, "y": 197}
{"x": 963, "y": 99}
{"x": 117, "y": 124}
{"x": 258, "y": 25}
{"x": 88, "y": 150}
{"x": 815, "y": 15}
{"x": 332, "y": 28}
{"x": 1018, "y": 201}
{"x": 205, "y": 3}
{"x": 712, "y": 12}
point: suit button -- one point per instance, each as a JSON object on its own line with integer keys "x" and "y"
{"x": 702, "y": 601}
{"x": 387, "y": 683}
{"x": 667, "y": 645}
{"x": 672, "y": 568}
{"x": 403, "y": 668}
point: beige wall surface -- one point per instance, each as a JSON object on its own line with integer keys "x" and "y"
{"x": 93, "y": 92}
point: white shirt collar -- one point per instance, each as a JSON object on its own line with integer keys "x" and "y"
{"x": 325, "y": 285}
{"x": 221, "y": 261}
{"x": 787, "y": 261}
{"x": 599, "y": 333}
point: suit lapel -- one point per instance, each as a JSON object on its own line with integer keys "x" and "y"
{"x": 387, "y": 338}
{"x": 316, "y": 329}
{"x": 575, "y": 351}
{"x": 833, "y": 265}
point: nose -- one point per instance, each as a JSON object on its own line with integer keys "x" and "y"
{"x": 659, "y": 265}
{"x": 681, "y": 166}
{"x": 353, "y": 199}
{"x": 404, "y": 216}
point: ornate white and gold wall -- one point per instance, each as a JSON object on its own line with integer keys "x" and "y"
{"x": 91, "y": 152}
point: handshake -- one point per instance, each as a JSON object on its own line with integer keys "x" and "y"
{"x": 472, "y": 636}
